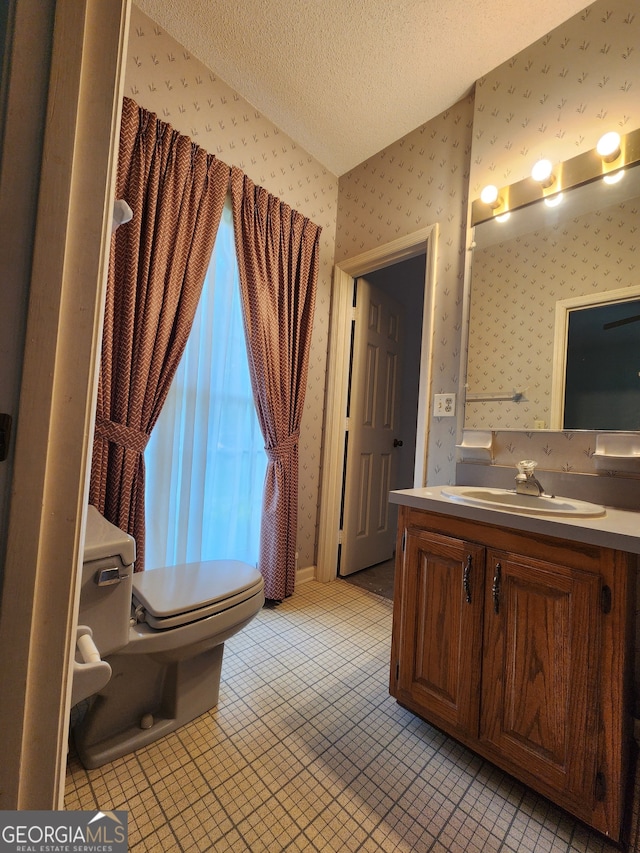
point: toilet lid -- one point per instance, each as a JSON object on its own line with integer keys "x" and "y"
{"x": 176, "y": 595}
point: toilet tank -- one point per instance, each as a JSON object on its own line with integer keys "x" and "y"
{"x": 107, "y": 578}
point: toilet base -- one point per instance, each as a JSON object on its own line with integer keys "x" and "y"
{"x": 144, "y": 691}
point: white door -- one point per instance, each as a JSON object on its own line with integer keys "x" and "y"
{"x": 373, "y": 431}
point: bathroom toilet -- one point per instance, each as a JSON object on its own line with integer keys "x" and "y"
{"x": 161, "y": 633}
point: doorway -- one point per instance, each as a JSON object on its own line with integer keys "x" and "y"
{"x": 422, "y": 243}
{"x": 382, "y": 410}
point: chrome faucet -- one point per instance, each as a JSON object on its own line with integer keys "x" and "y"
{"x": 526, "y": 481}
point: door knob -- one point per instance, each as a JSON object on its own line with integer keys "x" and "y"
{"x": 397, "y": 442}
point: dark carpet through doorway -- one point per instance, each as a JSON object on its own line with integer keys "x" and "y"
{"x": 377, "y": 579}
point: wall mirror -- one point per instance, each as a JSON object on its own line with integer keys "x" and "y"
{"x": 522, "y": 268}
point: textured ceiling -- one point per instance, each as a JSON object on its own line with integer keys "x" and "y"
{"x": 346, "y": 78}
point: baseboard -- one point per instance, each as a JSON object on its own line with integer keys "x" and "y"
{"x": 308, "y": 573}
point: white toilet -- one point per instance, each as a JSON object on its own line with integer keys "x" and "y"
{"x": 161, "y": 632}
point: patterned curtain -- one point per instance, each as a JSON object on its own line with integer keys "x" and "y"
{"x": 157, "y": 266}
{"x": 278, "y": 251}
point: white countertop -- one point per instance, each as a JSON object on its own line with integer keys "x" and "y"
{"x": 618, "y": 528}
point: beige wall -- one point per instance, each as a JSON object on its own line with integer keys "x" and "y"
{"x": 419, "y": 181}
{"x": 554, "y": 99}
{"x": 164, "y": 78}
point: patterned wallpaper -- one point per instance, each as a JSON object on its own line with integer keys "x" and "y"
{"x": 554, "y": 99}
{"x": 164, "y": 78}
{"x": 417, "y": 181}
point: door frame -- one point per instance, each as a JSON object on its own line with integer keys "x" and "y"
{"x": 564, "y": 307}
{"x": 71, "y": 232}
{"x": 332, "y": 472}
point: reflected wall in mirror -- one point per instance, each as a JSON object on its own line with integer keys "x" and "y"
{"x": 521, "y": 269}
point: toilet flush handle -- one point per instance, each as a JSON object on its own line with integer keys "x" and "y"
{"x": 107, "y": 577}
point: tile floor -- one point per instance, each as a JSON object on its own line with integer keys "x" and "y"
{"x": 307, "y": 751}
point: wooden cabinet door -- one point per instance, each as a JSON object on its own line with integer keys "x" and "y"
{"x": 441, "y": 630}
{"x": 541, "y": 669}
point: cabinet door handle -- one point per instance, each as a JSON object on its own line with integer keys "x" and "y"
{"x": 466, "y": 580}
{"x": 495, "y": 589}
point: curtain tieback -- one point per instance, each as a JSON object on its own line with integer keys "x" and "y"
{"x": 283, "y": 448}
{"x": 125, "y": 436}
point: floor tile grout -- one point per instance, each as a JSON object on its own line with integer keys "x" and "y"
{"x": 307, "y": 735}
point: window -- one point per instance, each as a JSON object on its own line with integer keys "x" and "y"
{"x": 205, "y": 461}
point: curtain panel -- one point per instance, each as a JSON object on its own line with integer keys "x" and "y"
{"x": 157, "y": 267}
{"x": 278, "y": 260}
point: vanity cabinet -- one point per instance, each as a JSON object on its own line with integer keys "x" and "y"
{"x": 519, "y": 646}
{"x": 542, "y": 627}
{"x": 439, "y": 654}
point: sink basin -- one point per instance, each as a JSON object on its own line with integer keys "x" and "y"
{"x": 504, "y": 499}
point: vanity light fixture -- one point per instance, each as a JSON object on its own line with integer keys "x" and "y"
{"x": 566, "y": 175}
{"x": 490, "y": 196}
{"x": 542, "y": 173}
{"x": 503, "y": 216}
{"x": 608, "y": 146}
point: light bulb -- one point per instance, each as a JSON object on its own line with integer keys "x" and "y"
{"x": 608, "y": 146}
{"x": 489, "y": 195}
{"x": 503, "y": 216}
{"x": 542, "y": 172}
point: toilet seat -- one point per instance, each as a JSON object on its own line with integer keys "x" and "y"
{"x": 172, "y": 596}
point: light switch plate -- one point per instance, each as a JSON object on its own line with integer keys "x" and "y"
{"x": 444, "y": 405}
